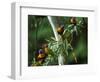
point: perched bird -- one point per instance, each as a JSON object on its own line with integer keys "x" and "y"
{"x": 60, "y": 30}
{"x": 41, "y": 54}
{"x": 73, "y": 20}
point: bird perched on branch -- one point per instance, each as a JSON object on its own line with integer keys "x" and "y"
{"x": 41, "y": 56}
{"x": 60, "y": 29}
{"x": 73, "y": 20}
